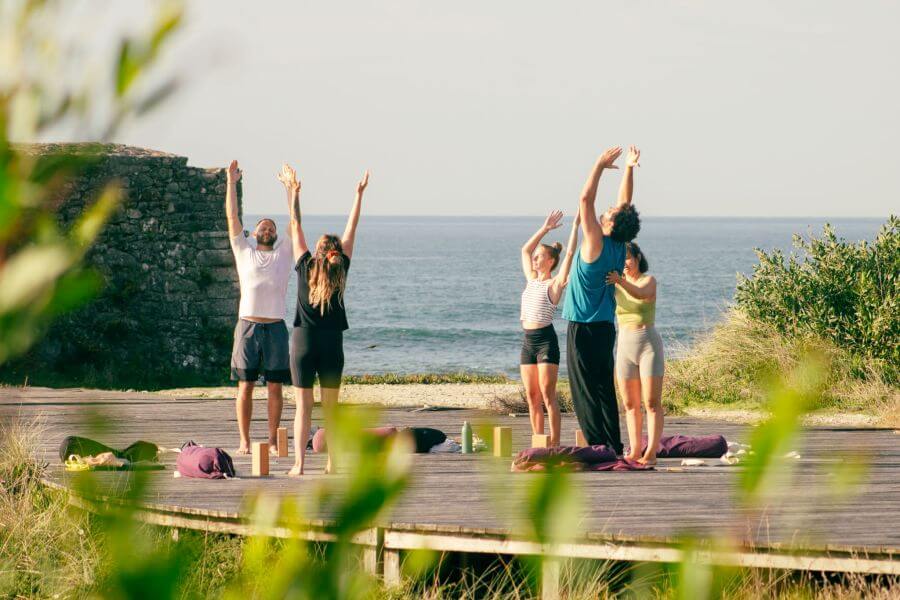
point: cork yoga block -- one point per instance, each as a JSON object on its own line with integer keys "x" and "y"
{"x": 260, "y": 459}
{"x": 540, "y": 440}
{"x": 282, "y": 442}
{"x": 579, "y": 438}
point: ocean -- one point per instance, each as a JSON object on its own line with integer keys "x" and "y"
{"x": 441, "y": 294}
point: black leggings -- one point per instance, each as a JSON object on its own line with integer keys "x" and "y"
{"x": 315, "y": 350}
{"x": 589, "y": 357}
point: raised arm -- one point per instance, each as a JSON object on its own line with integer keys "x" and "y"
{"x": 562, "y": 278}
{"x": 288, "y": 178}
{"x": 645, "y": 290}
{"x": 590, "y": 226}
{"x": 353, "y": 219}
{"x": 553, "y": 220}
{"x": 232, "y": 176}
{"x": 626, "y": 188}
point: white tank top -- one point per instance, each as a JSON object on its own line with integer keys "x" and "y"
{"x": 536, "y": 305}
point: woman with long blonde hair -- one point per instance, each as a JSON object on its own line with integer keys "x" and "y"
{"x": 317, "y": 340}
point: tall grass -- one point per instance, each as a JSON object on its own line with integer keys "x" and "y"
{"x": 734, "y": 364}
{"x": 831, "y": 298}
{"x": 45, "y": 547}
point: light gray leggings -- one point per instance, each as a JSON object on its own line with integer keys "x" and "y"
{"x": 639, "y": 353}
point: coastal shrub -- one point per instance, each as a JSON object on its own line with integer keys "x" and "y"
{"x": 847, "y": 294}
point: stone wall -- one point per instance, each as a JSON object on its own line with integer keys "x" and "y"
{"x": 168, "y": 309}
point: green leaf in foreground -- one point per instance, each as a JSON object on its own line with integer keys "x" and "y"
{"x": 790, "y": 399}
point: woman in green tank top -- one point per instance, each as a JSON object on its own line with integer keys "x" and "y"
{"x": 640, "y": 362}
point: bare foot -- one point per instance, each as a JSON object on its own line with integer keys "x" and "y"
{"x": 295, "y": 471}
{"x": 631, "y": 456}
{"x": 273, "y": 450}
{"x": 649, "y": 461}
{"x": 242, "y": 450}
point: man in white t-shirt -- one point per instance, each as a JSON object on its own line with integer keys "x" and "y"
{"x": 261, "y": 335}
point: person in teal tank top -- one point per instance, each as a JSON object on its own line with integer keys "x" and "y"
{"x": 589, "y": 298}
{"x": 590, "y": 303}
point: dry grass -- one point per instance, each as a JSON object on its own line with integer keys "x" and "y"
{"x": 582, "y": 580}
{"x": 45, "y": 547}
{"x": 507, "y": 579}
{"x": 734, "y": 363}
{"x": 506, "y": 404}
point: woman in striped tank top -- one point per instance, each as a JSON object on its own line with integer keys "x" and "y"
{"x": 539, "y": 362}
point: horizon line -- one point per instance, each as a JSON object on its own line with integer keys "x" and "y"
{"x": 757, "y": 217}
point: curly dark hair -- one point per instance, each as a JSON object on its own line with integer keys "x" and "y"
{"x": 626, "y": 224}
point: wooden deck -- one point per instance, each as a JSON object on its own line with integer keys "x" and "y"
{"x": 449, "y": 505}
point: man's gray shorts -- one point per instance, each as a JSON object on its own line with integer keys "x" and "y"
{"x": 261, "y": 348}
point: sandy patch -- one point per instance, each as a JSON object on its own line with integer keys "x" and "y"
{"x": 752, "y": 417}
{"x": 491, "y": 396}
{"x": 455, "y": 395}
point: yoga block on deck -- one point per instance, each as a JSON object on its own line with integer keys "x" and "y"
{"x": 579, "y": 439}
{"x": 502, "y": 441}
{"x": 539, "y": 440}
{"x": 282, "y": 442}
{"x": 260, "y": 459}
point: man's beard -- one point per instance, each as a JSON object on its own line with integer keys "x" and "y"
{"x": 267, "y": 240}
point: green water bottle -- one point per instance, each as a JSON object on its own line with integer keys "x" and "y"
{"x": 466, "y": 438}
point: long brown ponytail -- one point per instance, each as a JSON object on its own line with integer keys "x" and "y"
{"x": 327, "y": 274}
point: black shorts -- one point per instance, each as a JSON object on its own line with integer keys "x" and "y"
{"x": 317, "y": 351}
{"x": 540, "y": 346}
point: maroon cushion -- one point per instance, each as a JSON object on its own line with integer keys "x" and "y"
{"x": 691, "y": 446}
{"x": 205, "y": 463}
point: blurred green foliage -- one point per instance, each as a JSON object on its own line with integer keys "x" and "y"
{"x": 791, "y": 396}
{"x": 844, "y": 292}
{"x": 41, "y": 272}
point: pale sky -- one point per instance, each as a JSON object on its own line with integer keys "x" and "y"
{"x": 500, "y": 107}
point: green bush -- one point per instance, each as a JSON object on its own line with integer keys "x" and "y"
{"x": 845, "y": 293}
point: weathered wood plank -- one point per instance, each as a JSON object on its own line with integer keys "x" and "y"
{"x": 452, "y": 493}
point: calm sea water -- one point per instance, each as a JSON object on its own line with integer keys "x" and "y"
{"x": 441, "y": 294}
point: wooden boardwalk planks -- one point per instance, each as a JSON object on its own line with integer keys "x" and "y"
{"x": 476, "y": 493}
